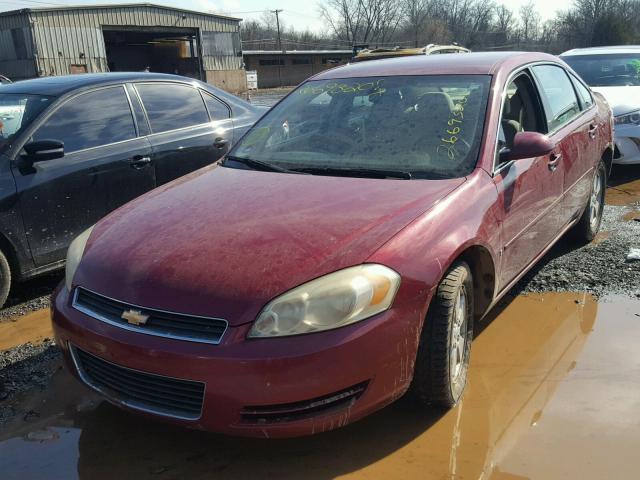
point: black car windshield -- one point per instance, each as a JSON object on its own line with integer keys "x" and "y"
{"x": 426, "y": 126}
{"x": 607, "y": 70}
{"x": 16, "y": 113}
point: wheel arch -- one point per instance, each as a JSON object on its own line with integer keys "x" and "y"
{"x": 607, "y": 158}
{"x": 7, "y": 248}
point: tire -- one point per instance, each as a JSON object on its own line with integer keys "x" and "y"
{"x": 589, "y": 224}
{"x": 440, "y": 373}
{"x": 5, "y": 279}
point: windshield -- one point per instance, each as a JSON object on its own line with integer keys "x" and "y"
{"x": 614, "y": 70}
{"x": 429, "y": 126}
{"x": 16, "y": 112}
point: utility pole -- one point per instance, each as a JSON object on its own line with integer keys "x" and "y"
{"x": 281, "y": 59}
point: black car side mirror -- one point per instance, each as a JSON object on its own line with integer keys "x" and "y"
{"x": 42, "y": 150}
{"x": 38, "y": 151}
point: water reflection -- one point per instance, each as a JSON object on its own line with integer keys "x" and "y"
{"x": 537, "y": 372}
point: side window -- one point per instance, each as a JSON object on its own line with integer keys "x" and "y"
{"x": 172, "y": 106}
{"x": 562, "y": 103}
{"x": 520, "y": 111}
{"x": 90, "y": 120}
{"x": 586, "y": 100}
{"x": 217, "y": 109}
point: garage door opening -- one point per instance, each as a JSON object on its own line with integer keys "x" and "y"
{"x": 155, "y": 50}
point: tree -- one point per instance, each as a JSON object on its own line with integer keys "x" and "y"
{"x": 415, "y": 13}
{"x": 530, "y": 22}
{"x": 360, "y": 21}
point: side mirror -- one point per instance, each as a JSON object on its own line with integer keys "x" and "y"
{"x": 527, "y": 145}
{"x": 42, "y": 150}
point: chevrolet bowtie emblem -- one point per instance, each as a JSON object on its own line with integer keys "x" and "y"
{"x": 135, "y": 317}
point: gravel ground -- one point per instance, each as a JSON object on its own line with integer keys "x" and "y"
{"x": 24, "y": 368}
{"x": 599, "y": 268}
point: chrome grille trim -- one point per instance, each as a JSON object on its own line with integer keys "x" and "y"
{"x": 147, "y": 330}
{"x": 120, "y": 399}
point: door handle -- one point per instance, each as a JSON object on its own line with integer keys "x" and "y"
{"x": 553, "y": 161}
{"x": 220, "y": 142}
{"x": 592, "y": 130}
{"x": 139, "y": 161}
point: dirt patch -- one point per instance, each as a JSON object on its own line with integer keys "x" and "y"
{"x": 34, "y": 327}
{"x": 552, "y": 394}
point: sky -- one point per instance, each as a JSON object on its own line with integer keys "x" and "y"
{"x": 300, "y": 14}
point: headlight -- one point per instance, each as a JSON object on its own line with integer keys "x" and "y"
{"x": 335, "y": 300}
{"x": 74, "y": 255}
{"x": 632, "y": 118}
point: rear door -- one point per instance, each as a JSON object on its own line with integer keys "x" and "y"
{"x": 569, "y": 125}
{"x": 105, "y": 165}
{"x": 530, "y": 189}
{"x": 189, "y": 129}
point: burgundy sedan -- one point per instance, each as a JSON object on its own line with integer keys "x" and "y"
{"x": 341, "y": 253}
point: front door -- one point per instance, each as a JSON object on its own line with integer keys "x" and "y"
{"x": 105, "y": 165}
{"x": 530, "y": 190}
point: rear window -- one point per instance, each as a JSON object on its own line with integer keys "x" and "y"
{"x": 172, "y": 106}
{"x": 429, "y": 125}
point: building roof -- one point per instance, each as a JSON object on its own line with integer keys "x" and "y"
{"x": 59, "y": 85}
{"x": 602, "y": 50}
{"x": 114, "y": 5}
{"x": 475, "y": 63}
{"x": 297, "y": 52}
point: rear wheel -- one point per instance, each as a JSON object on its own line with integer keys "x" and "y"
{"x": 442, "y": 363}
{"x": 5, "y": 279}
{"x": 589, "y": 224}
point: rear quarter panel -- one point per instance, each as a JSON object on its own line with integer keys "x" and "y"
{"x": 605, "y": 122}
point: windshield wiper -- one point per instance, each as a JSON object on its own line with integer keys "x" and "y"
{"x": 356, "y": 172}
{"x": 258, "y": 165}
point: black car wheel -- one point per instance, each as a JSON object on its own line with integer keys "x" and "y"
{"x": 442, "y": 363}
{"x": 5, "y": 279}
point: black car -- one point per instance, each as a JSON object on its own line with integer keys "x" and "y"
{"x": 74, "y": 148}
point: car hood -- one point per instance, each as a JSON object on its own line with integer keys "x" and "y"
{"x": 621, "y": 99}
{"x": 222, "y": 242}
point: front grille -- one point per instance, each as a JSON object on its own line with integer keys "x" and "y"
{"x": 143, "y": 391}
{"x": 287, "y": 412}
{"x": 166, "y": 324}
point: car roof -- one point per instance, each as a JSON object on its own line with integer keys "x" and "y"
{"x": 59, "y": 85}
{"x": 445, "y": 64}
{"x": 602, "y": 50}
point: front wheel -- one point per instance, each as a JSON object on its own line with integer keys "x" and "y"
{"x": 5, "y": 279}
{"x": 442, "y": 362}
{"x": 589, "y": 224}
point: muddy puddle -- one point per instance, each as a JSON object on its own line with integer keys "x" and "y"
{"x": 554, "y": 392}
{"x": 624, "y": 192}
{"x": 33, "y": 327}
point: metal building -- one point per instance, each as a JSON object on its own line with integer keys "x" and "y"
{"x": 133, "y": 37}
{"x": 291, "y": 67}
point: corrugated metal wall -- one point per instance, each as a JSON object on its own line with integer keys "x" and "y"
{"x": 69, "y": 36}
{"x": 16, "y": 55}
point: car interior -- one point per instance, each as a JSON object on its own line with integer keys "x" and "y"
{"x": 520, "y": 113}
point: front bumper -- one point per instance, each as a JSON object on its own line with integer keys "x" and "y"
{"x": 243, "y": 378}
{"x": 627, "y": 140}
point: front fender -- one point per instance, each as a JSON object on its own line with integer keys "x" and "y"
{"x": 424, "y": 250}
